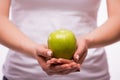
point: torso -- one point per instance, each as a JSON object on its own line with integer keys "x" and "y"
{"x": 37, "y": 18}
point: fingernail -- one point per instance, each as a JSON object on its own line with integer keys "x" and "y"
{"x": 77, "y": 57}
{"x": 49, "y": 53}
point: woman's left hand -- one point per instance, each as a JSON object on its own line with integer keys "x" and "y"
{"x": 81, "y": 51}
{"x": 62, "y": 66}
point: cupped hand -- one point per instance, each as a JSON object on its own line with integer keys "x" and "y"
{"x": 53, "y": 66}
{"x": 81, "y": 50}
{"x": 42, "y": 54}
{"x": 62, "y": 66}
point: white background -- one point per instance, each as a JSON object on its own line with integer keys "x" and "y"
{"x": 113, "y": 51}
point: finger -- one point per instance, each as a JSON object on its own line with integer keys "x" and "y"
{"x": 73, "y": 67}
{"x": 44, "y": 52}
{"x": 82, "y": 57}
{"x": 53, "y": 62}
{"x": 69, "y": 66}
{"x": 64, "y": 69}
{"x": 56, "y": 66}
{"x": 59, "y": 68}
{"x": 78, "y": 54}
{"x": 59, "y": 61}
{"x": 41, "y": 60}
{"x": 68, "y": 71}
{"x": 64, "y": 61}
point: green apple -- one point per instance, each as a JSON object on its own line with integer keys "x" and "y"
{"x": 63, "y": 43}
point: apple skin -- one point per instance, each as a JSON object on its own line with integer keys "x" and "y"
{"x": 63, "y": 43}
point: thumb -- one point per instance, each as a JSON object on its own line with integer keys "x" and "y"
{"x": 76, "y": 55}
{"x": 44, "y": 52}
{"x": 79, "y": 52}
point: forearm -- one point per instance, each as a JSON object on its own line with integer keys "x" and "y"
{"x": 13, "y": 38}
{"x": 106, "y": 34}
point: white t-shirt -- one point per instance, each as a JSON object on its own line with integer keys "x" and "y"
{"x": 36, "y": 19}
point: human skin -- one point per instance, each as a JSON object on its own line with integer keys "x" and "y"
{"x": 13, "y": 38}
{"x": 106, "y": 34}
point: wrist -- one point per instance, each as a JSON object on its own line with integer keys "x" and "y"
{"x": 30, "y": 48}
{"x": 88, "y": 40}
{"x": 34, "y": 50}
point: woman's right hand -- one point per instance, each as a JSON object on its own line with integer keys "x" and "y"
{"x": 42, "y": 54}
{"x": 61, "y": 67}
